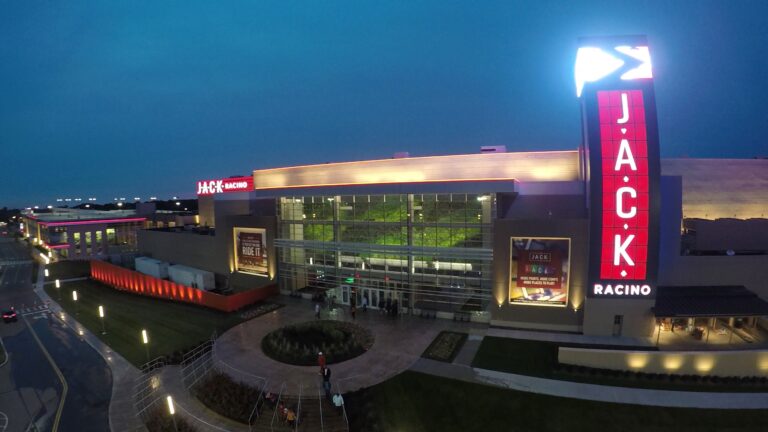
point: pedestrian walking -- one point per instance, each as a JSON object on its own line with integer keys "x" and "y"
{"x": 327, "y": 382}
{"x": 353, "y": 310}
{"x": 317, "y": 310}
{"x": 338, "y": 402}
{"x": 321, "y": 361}
{"x": 365, "y": 303}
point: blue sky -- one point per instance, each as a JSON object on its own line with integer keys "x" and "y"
{"x": 140, "y": 98}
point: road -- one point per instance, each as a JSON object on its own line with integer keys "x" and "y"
{"x": 30, "y": 387}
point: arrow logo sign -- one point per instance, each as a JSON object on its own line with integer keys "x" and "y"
{"x": 594, "y": 64}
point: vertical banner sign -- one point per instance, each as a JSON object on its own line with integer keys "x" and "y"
{"x": 614, "y": 81}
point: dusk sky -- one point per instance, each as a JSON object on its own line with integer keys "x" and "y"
{"x": 140, "y": 98}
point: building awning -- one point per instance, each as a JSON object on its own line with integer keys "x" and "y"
{"x": 708, "y": 301}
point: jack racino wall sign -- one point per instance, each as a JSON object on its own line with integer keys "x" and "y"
{"x": 232, "y": 184}
{"x": 621, "y": 160}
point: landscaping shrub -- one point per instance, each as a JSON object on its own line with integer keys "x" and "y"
{"x": 299, "y": 344}
{"x": 158, "y": 420}
{"x": 227, "y": 397}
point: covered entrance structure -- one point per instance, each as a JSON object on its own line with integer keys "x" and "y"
{"x": 710, "y": 317}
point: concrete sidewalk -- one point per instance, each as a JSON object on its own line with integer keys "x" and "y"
{"x": 593, "y": 392}
{"x": 399, "y": 342}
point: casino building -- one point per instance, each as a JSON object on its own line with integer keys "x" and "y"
{"x": 606, "y": 239}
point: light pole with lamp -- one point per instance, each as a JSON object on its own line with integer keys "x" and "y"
{"x": 101, "y": 316}
{"x": 145, "y": 339}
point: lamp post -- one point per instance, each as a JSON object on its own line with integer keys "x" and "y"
{"x": 145, "y": 339}
{"x": 171, "y": 411}
{"x": 58, "y": 288}
{"x": 101, "y": 316}
{"x": 74, "y": 298}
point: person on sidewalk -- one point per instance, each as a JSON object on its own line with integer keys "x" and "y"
{"x": 327, "y": 382}
{"x": 317, "y": 310}
{"x": 290, "y": 418}
{"x": 338, "y": 402}
{"x": 321, "y": 361}
{"x": 365, "y": 303}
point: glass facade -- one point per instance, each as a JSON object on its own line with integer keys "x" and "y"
{"x": 428, "y": 251}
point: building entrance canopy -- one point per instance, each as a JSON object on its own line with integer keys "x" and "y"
{"x": 708, "y": 301}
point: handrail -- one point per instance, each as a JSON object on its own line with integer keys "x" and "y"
{"x": 277, "y": 403}
{"x": 256, "y": 405}
{"x": 153, "y": 364}
{"x": 320, "y": 401}
{"x": 298, "y": 409}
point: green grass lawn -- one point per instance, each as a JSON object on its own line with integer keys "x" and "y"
{"x": 68, "y": 270}
{"x": 412, "y": 402}
{"x": 536, "y": 358}
{"x": 171, "y": 326}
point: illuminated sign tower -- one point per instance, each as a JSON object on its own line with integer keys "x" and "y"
{"x": 621, "y": 153}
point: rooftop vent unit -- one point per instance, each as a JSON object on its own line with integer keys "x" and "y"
{"x": 493, "y": 149}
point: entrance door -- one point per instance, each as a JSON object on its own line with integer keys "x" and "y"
{"x": 618, "y": 322}
{"x": 345, "y": 294}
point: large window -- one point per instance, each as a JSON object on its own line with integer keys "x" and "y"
{"x": 434, "y": 249}
{"x": 111, "y": 238}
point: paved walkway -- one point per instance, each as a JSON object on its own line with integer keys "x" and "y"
{"x": 399, "y": 342}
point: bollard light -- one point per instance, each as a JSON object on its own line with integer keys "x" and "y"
{"x": 144, "y": 337}
{"x": 101, "y": 311}
{"x": 74, "y": 295}
{"x": 58, "y": 284}
{"x": 46, "y": 273}
{"x": 169, "y": 399}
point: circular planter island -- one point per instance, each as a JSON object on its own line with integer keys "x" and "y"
{"x": 299, "y": 344}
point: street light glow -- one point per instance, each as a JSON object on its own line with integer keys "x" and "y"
{"x": 46, "y": 273}
{"x": 58, "y": 284}
{"x": 74, "y": 295}
{"x": 101, "y": 311}
{"x": 144, "y": 337}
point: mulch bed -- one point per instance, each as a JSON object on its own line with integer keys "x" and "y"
{"x": 446, "y": 346}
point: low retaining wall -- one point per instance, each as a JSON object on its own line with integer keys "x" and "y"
{"x": 139, "y": 283}
{"x": 713, "y": 363}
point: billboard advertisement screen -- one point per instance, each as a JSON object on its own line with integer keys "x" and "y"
{"x": 251, "y": 251}
{"x": 539, "y": 271}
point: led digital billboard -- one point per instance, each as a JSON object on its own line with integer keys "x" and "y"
{"x": 251, "y": 251}
{"x": 539, "y": 271}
